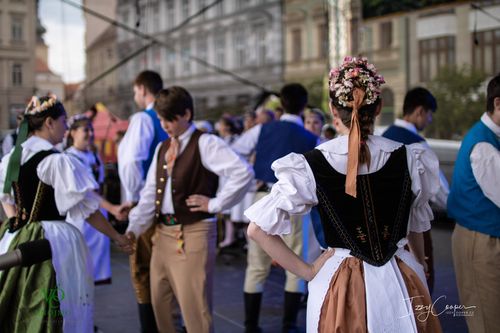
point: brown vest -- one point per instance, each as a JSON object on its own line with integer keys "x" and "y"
{"x": 189, "y": 176}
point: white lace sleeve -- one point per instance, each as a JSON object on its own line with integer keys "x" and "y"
{"x": 423, "y": 165}
{"x": 74, "y": 186}
{"x": 293, "y": 194}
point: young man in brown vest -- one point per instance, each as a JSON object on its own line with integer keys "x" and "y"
{"x": 181, "y": 197}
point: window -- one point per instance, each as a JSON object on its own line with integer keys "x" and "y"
{"x": 296, "y": 44}
{"x": 126, "y": 17}
{"x": 323, "y": 40}
{"x": 387, "y": 114}
{"x": 202, "y": 4}
{"x": 434, "y": 54}
{"x": 260, "y": 36}
{"x": 354, "y": 36}
{"x": 240, "y": 4}
{"x": 185, "y": 9}
{"x": 219, "y": 8}
{"x": 386, "y": 35}
{"x": 221, "y": 100}
{"x": 157, "y": 57}
{"x": 17, "y": 75}
{"x": 156, "y": 17}
{"x": 486, "y": 54}
{"x": 201, "y": 104}
{"x": 171, "y": 64}
{"x": 220, "y": 48}
{"x": 16, "y": 28}
{"x": 14, "y": 111}
{"x": 170, "y": 13}
{"x": 201, "y": 50}
{"x": 242, "y": 100}
{"x": 186, "y": 60}
{"x": 239, "y": 48}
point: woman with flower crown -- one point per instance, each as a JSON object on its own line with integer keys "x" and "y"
{"x": 41, "y": 189}
{"x": 373, "y": 197}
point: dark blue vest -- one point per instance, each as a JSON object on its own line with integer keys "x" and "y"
{"x": 277, "y": 139}
{"x": 159, "y": 136}
{"x": 466, "y": 203}
{"x": 401, "y": 134}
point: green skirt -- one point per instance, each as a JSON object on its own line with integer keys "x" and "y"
{"x": 29, "y": 296}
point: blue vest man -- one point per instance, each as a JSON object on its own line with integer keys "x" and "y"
{"x": 135, "y": 154}
{"x": 418, "y": 106}
{"x": 474, "y": 203}
{"x": 272, "y": 141}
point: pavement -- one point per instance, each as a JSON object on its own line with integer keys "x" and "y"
{"x": 115, "y": 305}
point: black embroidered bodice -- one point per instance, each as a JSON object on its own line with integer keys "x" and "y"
{"x": 370, "y": 225}
{"x": 35, "y": 200}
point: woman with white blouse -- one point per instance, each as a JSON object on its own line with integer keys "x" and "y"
{"x": 79, "y": 141}
{"x": 42, "y": 189}
{"x": 373, "y": 197}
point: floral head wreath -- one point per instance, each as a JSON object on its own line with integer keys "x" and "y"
{"x": 35, "y": 106}
{"x": 355, "y": 73}
{"x": 76, "y": 118}
{"x": 355, "y": 83}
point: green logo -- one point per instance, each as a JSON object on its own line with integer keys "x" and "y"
{"x": 53, "y": 297}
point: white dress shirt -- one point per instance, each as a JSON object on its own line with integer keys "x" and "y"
{"x": 440, "y": 199}
{"x": 485, "y": 163}
{"x": 217, "y": 157}
{"x": 132, "y": 152}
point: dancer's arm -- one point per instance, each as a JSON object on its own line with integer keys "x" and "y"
{"x": 277, "y": 249}
{"x": 98, "y": 221}
{"x": 10, "y": 210}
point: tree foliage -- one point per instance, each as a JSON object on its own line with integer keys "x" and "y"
{"x": 373, "y": 8}
{"x": 461, "y": 100}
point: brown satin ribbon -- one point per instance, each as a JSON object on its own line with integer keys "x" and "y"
{"x": 171, "y": 155}
{"x": 354, "y": 143}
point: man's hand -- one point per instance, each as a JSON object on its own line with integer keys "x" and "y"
{"x": 198, "y": 203}
{"x": 125, "y": 244}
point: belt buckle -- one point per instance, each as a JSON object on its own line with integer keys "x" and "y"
{"x": 170, "y": 220}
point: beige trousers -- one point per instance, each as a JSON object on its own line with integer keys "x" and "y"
{"x": 259, "y": 263}
{"x": 187, "y": 276}
{"x": 476, "y": 257}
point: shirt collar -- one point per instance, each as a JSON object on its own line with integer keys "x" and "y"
{"x": 187, "y": 134}
{"x": 375, "y": 143}
{"x": 405, "y": 124}
{"x": 36, "y": 143}
{"x": 150, "y": 106}
{"x": 293, "y": 118}
{"x": 490, "y": 124}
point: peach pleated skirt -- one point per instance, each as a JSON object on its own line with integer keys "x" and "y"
{"x": 349, "y": 295}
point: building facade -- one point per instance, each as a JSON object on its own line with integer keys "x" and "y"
{"x": 102, "y": 55}
{"x": 306, "y": 45}
{"x": 409, "y": 48}
{"x": 46, "y": 81}
{"x": 17, "y": 58}
{"x": 240, "y": 36}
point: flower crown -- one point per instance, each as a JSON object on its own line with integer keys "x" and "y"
{"x": 77, "y": 117}
{"x": 34, "y": 106}
{"x": 355, "y": 72}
